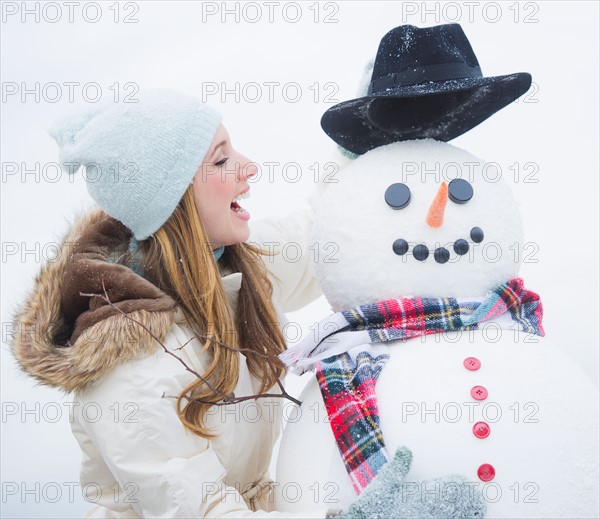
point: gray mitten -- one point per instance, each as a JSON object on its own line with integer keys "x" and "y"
{"x": 389, "y": 496}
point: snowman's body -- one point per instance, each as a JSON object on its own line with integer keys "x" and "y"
{"x": 541, "y": 410}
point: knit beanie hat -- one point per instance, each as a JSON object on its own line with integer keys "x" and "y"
{"x": 139, "y": 157}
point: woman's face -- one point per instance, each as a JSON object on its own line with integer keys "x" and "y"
{"x": 222, "y": 177}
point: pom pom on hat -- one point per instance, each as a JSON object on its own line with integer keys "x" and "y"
{"x": 64, "y": 130}
{"x": 139, "y": 157}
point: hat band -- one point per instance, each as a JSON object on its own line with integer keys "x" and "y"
{"x": 417, "y": 75}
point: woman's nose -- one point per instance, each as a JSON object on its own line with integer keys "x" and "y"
{"x": 435, "y": 215}
{"x": 248, "y": 168}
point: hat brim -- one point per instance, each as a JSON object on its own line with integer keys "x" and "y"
{"x": 440, "y": 110}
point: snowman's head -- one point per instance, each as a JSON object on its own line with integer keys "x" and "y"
{"x": 415, "y": 218}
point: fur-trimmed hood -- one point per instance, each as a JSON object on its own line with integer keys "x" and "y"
{"x": 66, "y": 340}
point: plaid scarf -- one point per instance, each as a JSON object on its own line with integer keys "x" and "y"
{"x": 508, "y": 305}
{"x": 348, "y": 389}
{"x": 347, "y": 380}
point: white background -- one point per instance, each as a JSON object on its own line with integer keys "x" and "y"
{"x": 555, "y": 126}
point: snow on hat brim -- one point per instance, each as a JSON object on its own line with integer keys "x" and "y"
{"x": 440, "y": 110}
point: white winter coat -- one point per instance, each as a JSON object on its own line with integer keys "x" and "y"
{"x": 138, "y": 460}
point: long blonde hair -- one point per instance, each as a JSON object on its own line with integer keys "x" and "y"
{"x": 179, "y": 260}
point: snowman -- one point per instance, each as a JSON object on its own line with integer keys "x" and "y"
{"x": 435, "y": 343}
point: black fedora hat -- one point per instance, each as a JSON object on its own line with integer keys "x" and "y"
{"x": 426, "y": 83}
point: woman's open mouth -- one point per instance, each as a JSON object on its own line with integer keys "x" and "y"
{"x": 239, "y": 211}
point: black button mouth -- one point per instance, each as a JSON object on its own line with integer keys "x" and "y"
{"x": 441, "y": 254}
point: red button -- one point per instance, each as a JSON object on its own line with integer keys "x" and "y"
{"x": 472, "y": 363}
{"x": 486, "y": 472}
{"x": 479, "y": 393}
{"x": 481, "y": 430}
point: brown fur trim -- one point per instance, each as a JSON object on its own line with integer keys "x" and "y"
{"x": 103, "y": 337}
{"x": 89, "y": 271}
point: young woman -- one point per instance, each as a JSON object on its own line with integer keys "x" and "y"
{"x": 167, "y": 245}
{"x": 157, "y": 312}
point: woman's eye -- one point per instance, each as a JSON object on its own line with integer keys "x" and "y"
{"x": 460, "y": 191}
{"x": 222, "y": 161}
{"x": 397, "y": 196}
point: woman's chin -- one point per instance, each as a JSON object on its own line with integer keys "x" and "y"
{"x": 246, "y": 235}
{"x": 240, "y": 235}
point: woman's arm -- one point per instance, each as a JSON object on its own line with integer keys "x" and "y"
{"x": 290, "y": 269}
{"x": 291, "y": 272}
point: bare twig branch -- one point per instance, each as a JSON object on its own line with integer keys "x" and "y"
{"x": 226, "y": 399}
{"x": 237, "y": 400}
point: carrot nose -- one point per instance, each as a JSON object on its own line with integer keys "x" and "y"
{"x": 435, "y": 216}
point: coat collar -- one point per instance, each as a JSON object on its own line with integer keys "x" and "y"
{"x": 68, "y": 341}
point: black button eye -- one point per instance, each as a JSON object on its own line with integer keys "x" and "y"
{"x": 397, "y": 196}
{"x": 460, "y": 191}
